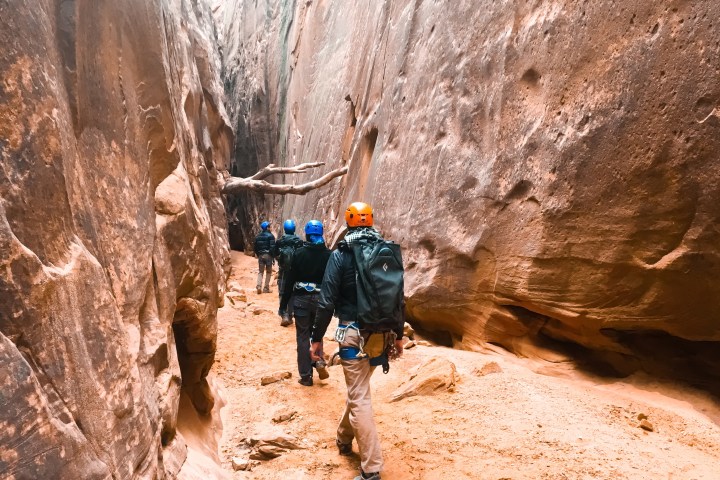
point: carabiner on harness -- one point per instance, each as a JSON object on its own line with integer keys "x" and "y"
{"x": 340, "y": 335}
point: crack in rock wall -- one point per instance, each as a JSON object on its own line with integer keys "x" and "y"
{"x": 551, "y": 167}
{"x": 113, "y": 237}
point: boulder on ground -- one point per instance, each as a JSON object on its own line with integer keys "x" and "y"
{"x": 435, "y": 375}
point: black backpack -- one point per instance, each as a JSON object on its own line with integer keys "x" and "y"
{"x": 380, "y": 284}
{"x": 285, "y": 253}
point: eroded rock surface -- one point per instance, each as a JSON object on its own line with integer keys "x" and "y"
{"x": 112, "y": 233}
{"x": 550, "y": 168}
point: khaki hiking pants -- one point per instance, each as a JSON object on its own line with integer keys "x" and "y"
{"x": 265, "y": 263}
{"x": 357, "y": 421}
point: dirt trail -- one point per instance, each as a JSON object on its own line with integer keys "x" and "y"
{"x": 513, "y": 424}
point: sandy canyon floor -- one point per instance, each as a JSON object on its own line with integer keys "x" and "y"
{"x": 512, "y": 423}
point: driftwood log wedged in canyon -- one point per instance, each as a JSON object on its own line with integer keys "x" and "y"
{"x": 551, "y": 172}
{"x": 113, "y": 143}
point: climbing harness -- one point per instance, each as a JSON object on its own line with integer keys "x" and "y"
{"x": 356, "y": 353}
{"x": 341, "y": 332}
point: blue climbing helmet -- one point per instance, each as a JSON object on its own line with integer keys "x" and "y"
{"x": 314, "y": 231}
{"x": 264, "y": 225}
{"x": 289, "y": 226}
{"x": 314, "y": 227}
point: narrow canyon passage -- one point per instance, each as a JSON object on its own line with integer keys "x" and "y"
{"x": 549, "y": 168}
{"x": 500, "y": 421}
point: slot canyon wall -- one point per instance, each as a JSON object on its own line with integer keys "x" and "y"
{"x": 113, "y": 237}
{"x": 550, "y": 167}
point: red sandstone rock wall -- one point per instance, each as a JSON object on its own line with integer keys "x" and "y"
{"x": 550, "y": 167}
{"x": 112, "y": 233}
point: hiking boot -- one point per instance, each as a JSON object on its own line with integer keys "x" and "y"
{"x": 259, "y": 290}
{"x": 344, "y": 448}
{"x": 368, "y": 476}
{"x": 266, "y": 290}
{"x": 286, "y": 322}
{"x": 307, "y": 381}
{"x": 321, "y": 368}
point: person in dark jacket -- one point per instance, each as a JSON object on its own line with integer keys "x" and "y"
{"x": 303, "y": 286}
{"x": 339, "y": 296}
{"x": 264, "y": 243}
{"x": 288, "y": 243}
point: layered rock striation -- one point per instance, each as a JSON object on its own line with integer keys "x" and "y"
{"x": 113, "y": 234}
{"x": 551, "y": 168}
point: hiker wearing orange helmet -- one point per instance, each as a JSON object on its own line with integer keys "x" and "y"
{"x": 359, "y": 214}
{"x": 370, "y": 326}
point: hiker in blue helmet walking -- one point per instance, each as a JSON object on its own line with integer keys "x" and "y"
{"x": 264, "y": 243}
{"x": 369, "y": 330}
{"x": 302, "y": 289}
{"x": 283, "y": 252}
{"x": 314, "y": 232}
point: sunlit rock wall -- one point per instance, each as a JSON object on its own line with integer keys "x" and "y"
{"x": 113, "y": 240}
{"x": 551, "y": 168}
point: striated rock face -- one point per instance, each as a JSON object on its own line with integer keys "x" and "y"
{"x": 551, "y": 168}
{"x": 112, "y": 233}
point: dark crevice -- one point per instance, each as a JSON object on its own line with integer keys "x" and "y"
{"x": 195, "y": 346}
{"x": 663, "y": 356}
{"x": 659, "y": 354}
{"x": 441, "y": 338}
{"x": 696, "y": 363}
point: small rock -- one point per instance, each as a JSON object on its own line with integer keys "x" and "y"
{"x": 487, "y": 369}
{"x": 236, "y": 299}
{"x": 275, "y": 377}
{"x": 423, "y": 343}
{"x": 237, "y": 296}
{"x": 409, "y": 344}
{"x": 645, "y": 425}
{"x": 280, "y": 440}
{"x": 642, "y": 416}
{"x": 234, "y": 287}
{"x": 284, "y": 416}
{"x": 239, "y": 463}
{"x": 408, "y": 331}
{"x": 270, "y": 451}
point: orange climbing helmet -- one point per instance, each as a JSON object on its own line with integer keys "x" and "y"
{"x": 359, "y": 214}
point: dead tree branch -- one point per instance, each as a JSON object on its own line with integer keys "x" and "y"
{"x": 272, "y": 170}
{"x": 256, "y": 183}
